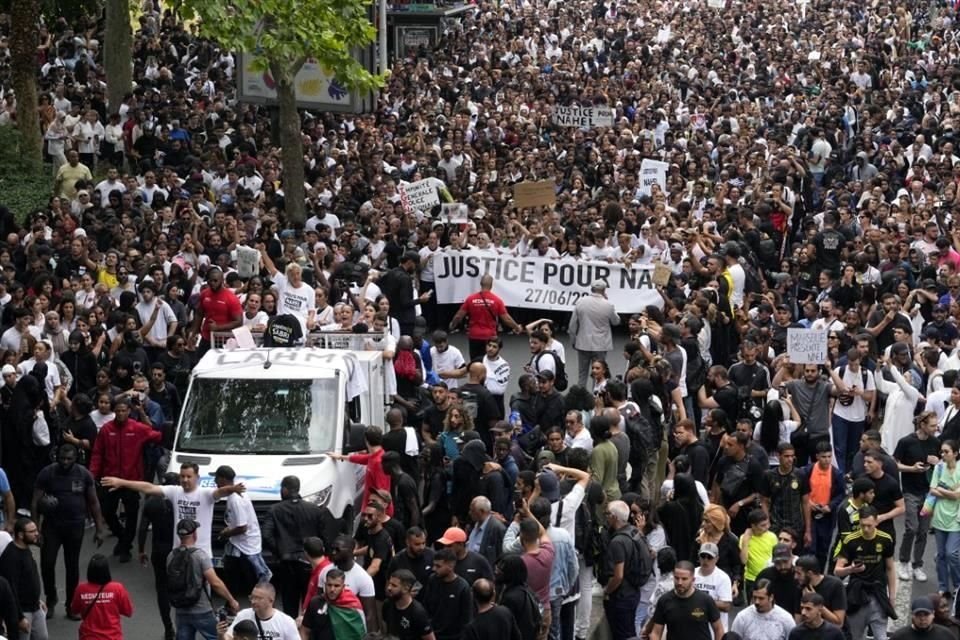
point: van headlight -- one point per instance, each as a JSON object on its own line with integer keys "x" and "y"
{"x": 320, "y": 498}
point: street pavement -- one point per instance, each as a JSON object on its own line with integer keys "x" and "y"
{"x": 146, "y": 625}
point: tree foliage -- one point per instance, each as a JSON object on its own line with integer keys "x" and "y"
{"x": 282, "y": 34}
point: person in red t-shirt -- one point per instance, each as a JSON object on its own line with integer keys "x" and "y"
{"x": 100, "y": 602}
{"x": 483, "y": 311}
{"x": 376, "y": 477}
{"x": 218, "y": 309}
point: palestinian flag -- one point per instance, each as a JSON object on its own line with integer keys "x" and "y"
{"x": 346, "y": 617}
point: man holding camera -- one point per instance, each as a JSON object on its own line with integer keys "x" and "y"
{"x": 849, "y": 419}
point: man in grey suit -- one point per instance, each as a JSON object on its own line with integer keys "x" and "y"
{"x": 486, "y": 536}
{"x": 591, "y": 327}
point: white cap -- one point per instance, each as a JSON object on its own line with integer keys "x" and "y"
{"x": 7, "y": 369}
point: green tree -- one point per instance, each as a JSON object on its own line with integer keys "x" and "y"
{"x": 282, "y": 35}
{"x": 24, "y": 19}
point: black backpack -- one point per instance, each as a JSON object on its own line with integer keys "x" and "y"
{"x": 696, "y": 365}
{"x": 645, "y": 436}
{"x": 560, "y": 381}
{"x": 640, "y": 567}
{"x": 184, "y": 586}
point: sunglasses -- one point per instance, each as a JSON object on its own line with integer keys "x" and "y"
{"x": 706, "y": 556}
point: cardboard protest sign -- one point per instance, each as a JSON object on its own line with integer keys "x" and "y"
{"x": 807, "y": 346}
{"x": 535, "y": 194}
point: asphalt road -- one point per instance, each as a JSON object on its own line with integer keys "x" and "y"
{"x": 138, "y": 580}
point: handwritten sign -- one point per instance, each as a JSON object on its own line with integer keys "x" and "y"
{"x": 419, "y": 196}
{"x": 583, "y": 117}
{"x": 807, "y": 346}
{"x": 535, "y": 194}
{"x": 653, "y": 171}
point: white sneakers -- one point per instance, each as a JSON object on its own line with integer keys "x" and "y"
{"x": 903, "y": 571}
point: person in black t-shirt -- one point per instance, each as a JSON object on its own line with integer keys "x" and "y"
{"x": 915, "y": 454}
{"x": 812, "y": 625}
{"x": 739, "y": 480}
{"x": 416, "y": 557}
{"x": 395, "y": 439}
{"x": 434, "y": 415}
{"x": 379, "y": 549}
{"x": 685, "y": 611}
{"x": 725, "y": 395}
{"x": 404, "y": 617}
{"x": 810, "y": 577}
{"x": 783, "y": 583}
{"x": 866, "y": 556}
{"x": 403, "y": 489}
{"x": 493, "y": 621}
{"x": 447, "y": 598}
{"x": 887, "y": 496}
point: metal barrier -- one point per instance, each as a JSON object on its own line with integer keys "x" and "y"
{"x": 325, "y": 340}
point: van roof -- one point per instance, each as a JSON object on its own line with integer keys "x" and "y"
{"x": 284, "y": 363}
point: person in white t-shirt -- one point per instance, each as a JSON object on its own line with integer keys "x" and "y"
{"x": 355, "y": 577}
{"x": 190, "y": 502}
{"x": 271, "y": 623}
{"x": 448, "y": 362}
{"x": 294, "y": 297}
{"x": 714, "y": 581}
{"x": 242, "y": 530}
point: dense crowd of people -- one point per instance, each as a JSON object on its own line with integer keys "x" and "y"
{"x": 697, "y": 482}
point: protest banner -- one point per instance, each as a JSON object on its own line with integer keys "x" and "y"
{"x": 542, "y": 283}
{"x": 535, "y": 194}
{"x": 716, "y": 4}
{"x": 454, "y": 213}
{"x": 418, "y": 196}
{"x": 807, "y": 346}
{"x": 583, "y": 117}
{"x": 653, "y": 171}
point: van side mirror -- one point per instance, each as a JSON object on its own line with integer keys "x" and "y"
{"x": 355, "y": 438}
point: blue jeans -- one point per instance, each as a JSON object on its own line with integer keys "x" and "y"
{"x": 846, "y": 441}
{"x": 260, "y": 567}
{"x": 190, "y": 624}
{"x": 948, "y": 559}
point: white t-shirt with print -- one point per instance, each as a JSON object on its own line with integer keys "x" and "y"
{"x": 297, "y": 301}
{"x": 196, "y": 505}
{"x": 718, "y": 586}
{"x": 279, "y": 626}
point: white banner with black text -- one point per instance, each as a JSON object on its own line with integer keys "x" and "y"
{"x": 542, "y": 283}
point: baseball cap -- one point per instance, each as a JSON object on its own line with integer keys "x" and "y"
{"x": 453, "y": 535}
{"x": 923, "y": 604}
{"x": 7, "y": 369}
{"x": 710, "y": 549}
{"x": 782, "y": 552}
{"x": 186, "y": 526}
{"x": 549, "y": 485}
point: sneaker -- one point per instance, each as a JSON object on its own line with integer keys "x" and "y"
{"x": 919, "y": 575}
{"x": 903, "y": 571}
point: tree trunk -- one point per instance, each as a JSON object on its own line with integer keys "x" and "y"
{"x": 117, "y": 49}
{"x": 292, "y": 146}
{"x": 24, "y": 18}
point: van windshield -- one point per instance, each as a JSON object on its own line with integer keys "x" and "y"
{"x": 271, "y": 416}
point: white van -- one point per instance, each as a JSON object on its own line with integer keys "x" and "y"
{"x": 274, "y": 412}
